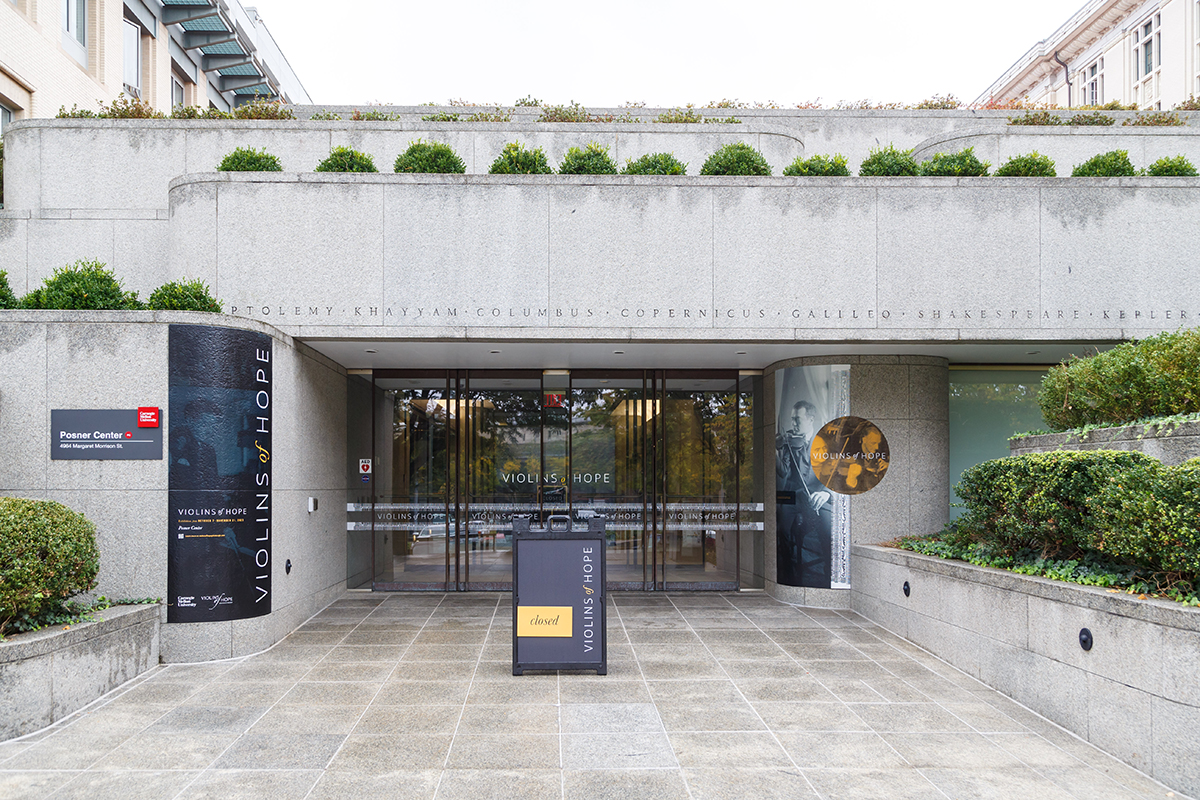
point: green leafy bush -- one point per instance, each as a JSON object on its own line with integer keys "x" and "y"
{"x": 83, "y": 285}
{"x": 590, "y": 160}
{"x": 516, "y": 160}
{"x": 1033, "y": 117}
{"x": 938, "y": 102}
{"x": 1113, "y": 164}
{"x": 680, "y": 115}
{"x": 1156, "y": 119}
{"x": 344, "y": 159}
{"x": 1172, "y": 166}
{"x": 429, "y": 157}
{"x": 441, "y": 116}
{"x": 183, "y": 295}
{"x": 129, "y": 108}
{"x": 377, "y": 115}
{"x": 7, "y": 298}
{"x": 247, "y": 159}
{"x": 323, "y": 114}
{"x": 1091, "y": 118}
{"x": 499, "y": 115}
{"x": 75, "y": 112}
{"x": 887, "y": 162}
{"x": 1191, "y": 104}
{"x": 1155, "y": 377}
{"x": 1030, "y": 165}
{"x": 47, "y": 555}
{"x": 572, "y": 112}
{"x": 655, "y": 164}
{"x": 1150, "y": 514}
{"x": 261, "y": 108}
{"x": 737, "y": 158}
{"x": 195, "y": 112}
{"x": 818, "y": 165}
{"x": 528, "y": 101}
{"x": 1039, "y": 501}
{"x": 961, "y": 164}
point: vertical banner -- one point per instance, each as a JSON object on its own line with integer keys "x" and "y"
{"x": 219, "y": 445}
{"x": 812, "y": 523}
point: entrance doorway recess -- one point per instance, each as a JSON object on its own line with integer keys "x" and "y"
{"x": 666, "y": 457}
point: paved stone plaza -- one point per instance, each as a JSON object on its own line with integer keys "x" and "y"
{"x": 707, "y": 696}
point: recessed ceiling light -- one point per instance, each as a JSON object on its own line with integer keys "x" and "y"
{"x": 740, "y": 353}
{"x": 618, "y": 352}
{"x": 369, "y": 350}
{"x": 1034, "y": 353}
{"x": 604, "y": 381}
{"x": 493, "y": 352}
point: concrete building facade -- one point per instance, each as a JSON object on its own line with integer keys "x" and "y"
{"x": 64, "y": 53}
{"x": 447, "y": 351}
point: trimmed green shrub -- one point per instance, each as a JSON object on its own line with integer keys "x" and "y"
{"x": 1191, "y": 104}
{"x": 325, "y": 114}
{"x": 1156, "y": 119}
{"x": 680, "y": 116}
{"x": 47, "y": 555}
{"x": 344, "y": 159}
{"x": 429, "y": 157}
{"x": 1155, "y": 377}
{"x": 1149, "y": 514}
{"x": 824, "y": 166}
{"x": 1030, "y": 165}
{"x": 499, "y": 115}
{"x": 1172, "y": 166}
{"x": 516, "y": 160}
{"x": 1091, "y": 118}
{"x": 1036, "y": 118}
{"x": 938, "y": 102}
{"x": 591, "y": 160}
{"x": 568, "y": 113}
{"x": 83, "y": 285}
{"x": 440, "y": 116}
{"x": 376, "y": 115}
{"x": 7, "y": 298}
{"x": 247, "y": 159}
{"x": 737, "y": 158}
{"x": 261, "y": 108}
{"x": 195, "y": 112}
{"x": 1038, "y": 501}
{"x": 655, "y": 164}
{"x": 961, "y": 164}
{"x": 887, "y": 162}
{"x": 183, "y": 295}
{"x": 1113, "y": 164}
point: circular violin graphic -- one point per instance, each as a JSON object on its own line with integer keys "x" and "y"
{"x": 849, "y": 455}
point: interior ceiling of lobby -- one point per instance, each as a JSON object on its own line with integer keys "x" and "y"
{"x": 614, "y": 354}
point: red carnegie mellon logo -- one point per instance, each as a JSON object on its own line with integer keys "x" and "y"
{"x": 147, "y": 417}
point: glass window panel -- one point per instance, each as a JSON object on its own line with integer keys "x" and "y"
{"x": 133, "y": 56}
{"x": 986, "y": 408}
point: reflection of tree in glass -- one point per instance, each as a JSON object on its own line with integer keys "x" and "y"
{"x": 418, "y": 443}
{"x": 701, "y": 444}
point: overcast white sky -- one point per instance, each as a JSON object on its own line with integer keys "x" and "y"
{"x": 661, "y": 52}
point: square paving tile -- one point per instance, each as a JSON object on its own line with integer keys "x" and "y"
{"x": 845, "y": 749}
{"x": 500, "y": 784}
{"x": 617, "y": 751}
{"x": 204, "y": 719}
{"x": 604, "y": 691}
{"x": 376, "y": 753}
{"x": 810, "y": 717}
{"x": 996, "y": 784}
{"x": 686, "y": 716}
{"x": 780, "y": 783}
{"x": 125, "y": 785}
{"x": 399, "y": 784}
{"x": 506, "y": 719}
{"x": 733, "y": 749}
{"x": 409, "y": 693}
{"x": 908, "y": 717}
{"x": 281, "y": 751}
{"x": 610, "y": 718}
{"x": 247, "y": 784}
{"x": 901, "y": 783}
{"x": 166, "y": 751}
{"x": 624, "y": 784}
{"x": 960, "y": 751}
{"x": 505, "y": 751}
{"x": 308, "y": 719}
{"x": 513, "y": 690}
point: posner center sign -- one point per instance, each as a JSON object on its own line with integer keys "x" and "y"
{"x": 117, "y": 434}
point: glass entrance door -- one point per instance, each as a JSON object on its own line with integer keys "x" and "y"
{"x": 664, "y": 457}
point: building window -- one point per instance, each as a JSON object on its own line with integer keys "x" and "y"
{"x": 176, "y": 93}
{"x": 74, "y": 25}
{"x": 6, "y": 117}
{"x": 133, "y": 60}
{"x": 1147, "y": 63}
{"x": 1092, "y": 84}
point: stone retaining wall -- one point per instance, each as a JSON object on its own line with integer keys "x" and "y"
{"x": 1134, "y": 694}
{"x": 48, "y": 674}
{"x": 1170, "y": 445}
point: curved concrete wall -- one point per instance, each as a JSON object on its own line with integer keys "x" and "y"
{"x": 1067, "y": 145}
{"x": 908, "y": 398}
{"x": 119, "y": 359}
{"x": 703, "y": 259}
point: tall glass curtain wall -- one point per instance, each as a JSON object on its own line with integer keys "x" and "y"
{"x": 987, "y": 406}
{"x": 664, "y": 457}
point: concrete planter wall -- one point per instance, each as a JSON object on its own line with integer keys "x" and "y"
{"x": 1135, "y": 694}
{"x": 1169, "y": 445}
{"x": 48, "y": 674}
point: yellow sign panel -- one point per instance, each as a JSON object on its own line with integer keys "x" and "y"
{"x": 544, "y": 621}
